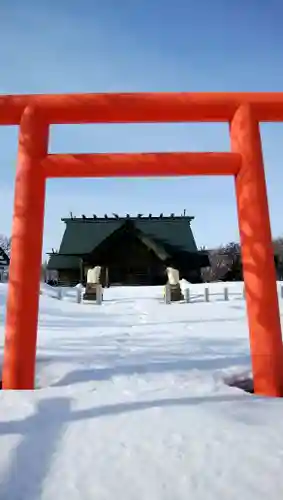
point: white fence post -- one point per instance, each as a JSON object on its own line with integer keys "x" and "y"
{"x": 167, "y": 294}
{"x": 226, "y": 293}
{"x": 60, "y": 294}
{"x": 206, "y": 294}
{"x": 187, "y": 295}
{"x": 79, "y": 295}
{"x": 99, "y": 295}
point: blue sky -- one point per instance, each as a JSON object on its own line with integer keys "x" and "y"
{"x": 150, "y": 45}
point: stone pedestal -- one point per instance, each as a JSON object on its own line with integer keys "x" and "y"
{"x": 90, "y": 292}
{"x": 175, "y": 293}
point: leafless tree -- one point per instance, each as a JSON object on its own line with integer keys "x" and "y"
{"x": 219, "y": 265}
{"x": 225, "y": 261}
{"x": 5, "y": 244}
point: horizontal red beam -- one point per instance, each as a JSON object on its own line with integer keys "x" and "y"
{"x": 142, "y": 107}
{"x": 141, "y": 164}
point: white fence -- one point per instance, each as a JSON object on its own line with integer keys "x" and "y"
{"x": 73, "y": 294}
{"x": 213, "y": 292}
{"x": 208, "y": 294}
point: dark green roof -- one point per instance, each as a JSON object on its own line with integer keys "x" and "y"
{"x": 82, "y": 236}
{"x": 57, "y": 261}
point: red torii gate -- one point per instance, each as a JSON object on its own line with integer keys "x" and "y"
{"x": 243, "y": 111}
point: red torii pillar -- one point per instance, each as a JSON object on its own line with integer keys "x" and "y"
{"x": 257, "y": 256}
{"x": 26, "y": 251}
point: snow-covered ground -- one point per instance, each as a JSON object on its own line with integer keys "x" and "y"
{"x": 132, "y": 404}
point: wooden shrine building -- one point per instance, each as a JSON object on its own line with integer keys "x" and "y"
{"x": 131, "y": 250}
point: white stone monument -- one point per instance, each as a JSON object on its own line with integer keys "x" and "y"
{"x": 173, "y": 277}
{"x": 93, "y": 275}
